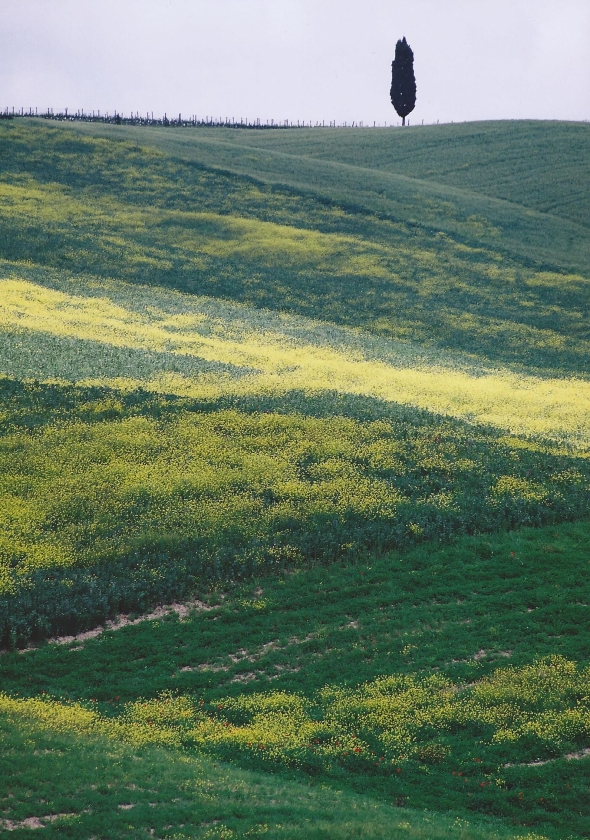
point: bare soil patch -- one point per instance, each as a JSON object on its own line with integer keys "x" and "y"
{"x": 183, "y": 610}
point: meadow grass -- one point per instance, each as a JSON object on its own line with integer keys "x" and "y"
{"x": 237, "y": 504}
{"x": 466, "y": 211}
{"x": 174, "y": 343}
{"x": 317, "y": 386}
{"x": 541, "y": 165}
{"x": 115, "y": 209}
{"x": 64, "y": 773}
{"x": 456, "y": 667}
{"x": 135, "y": 501}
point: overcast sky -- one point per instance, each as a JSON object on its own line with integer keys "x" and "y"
{"x": 298, "y": 59}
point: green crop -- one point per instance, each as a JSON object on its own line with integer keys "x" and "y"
{"x": 429, "y": 632}
{"x": 519, "y": 161}
{"x": 110, "y": 787}
{"x": 331, "y": 390}
{"x": 139, "y": 500}
{"x": 150, "y": 214}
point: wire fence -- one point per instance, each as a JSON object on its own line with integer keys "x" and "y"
{"x": 194, "y": 121}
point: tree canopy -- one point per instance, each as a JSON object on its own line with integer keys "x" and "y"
{"x": 403, "y": 82}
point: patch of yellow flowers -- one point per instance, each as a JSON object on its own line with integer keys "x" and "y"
{"x": 281, "y": 353}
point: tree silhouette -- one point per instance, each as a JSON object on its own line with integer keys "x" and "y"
{"x": 403, "y": 83}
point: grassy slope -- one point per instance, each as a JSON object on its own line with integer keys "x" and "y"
{"x": 447, "y": 284}
{"x": 465, "y": 208}
{"x": 461, "y": 613}
{"x": 540, "y": 165}
{"x": 114, "y": 790}
{"x": 112, "y": 502}
{"x": 107, "y": 208}
{"x": 127, "y": 335}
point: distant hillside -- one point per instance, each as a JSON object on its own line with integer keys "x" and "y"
{"x": 401, "y": 257}
{"x": 360, "y": 168}
{"x": 541, "y": 165}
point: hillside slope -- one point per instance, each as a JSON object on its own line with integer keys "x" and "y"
{"x": 544, "y": 166}
{"x": 115, "y": 209}
{"x": 462, "y": 210}
{"x": 342, "y": 413}
{"x": 122, "y": 791}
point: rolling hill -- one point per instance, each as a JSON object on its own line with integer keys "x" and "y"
{"x": 330, "y": 388}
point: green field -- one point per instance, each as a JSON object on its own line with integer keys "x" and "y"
{"x": 326, "y": 394}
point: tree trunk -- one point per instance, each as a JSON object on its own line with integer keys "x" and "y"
{"x": 403, "y": 120}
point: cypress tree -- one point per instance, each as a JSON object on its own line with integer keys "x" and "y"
{"x": 403, "y": 83}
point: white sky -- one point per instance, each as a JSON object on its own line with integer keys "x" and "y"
{"x": 298, "y": 59}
